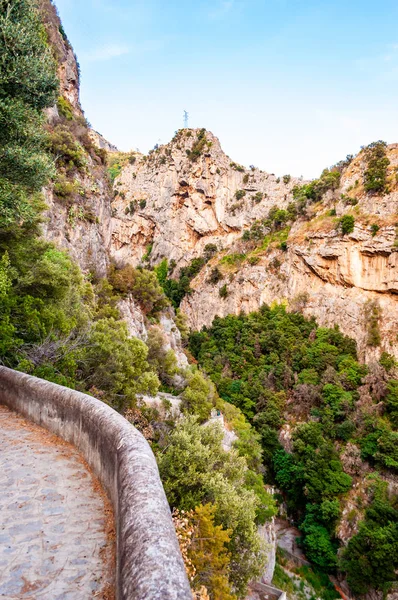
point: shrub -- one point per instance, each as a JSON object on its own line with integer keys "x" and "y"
{"x": 286, "y": 179}
{"x": 233, "y": 259}
{"x": 198, "y": 146}
{"x": 346, "y": 224}
{"x": 239, "y": 194}
{"x": 209, "y": 251}
{"x": 65, "y": 108}
{"x": 199, "y": 396}
{"x": 223, "y": 291}
{"x": 215, "y": 276}
{"x": 142, "y": 284}
{"x": 237, "y": 167}
{"x": 64, "y": 188}
{"x": 374, "y": 229}
{"x": 66, "y": 150}
{"x": 375, "y": 176}
{"x": 194, "y": 468}
{"x": 258, "y": 196}
{"x": 371, "y": 557}
{"x": 372, "y": 317}
{"x": 236, "y": 206}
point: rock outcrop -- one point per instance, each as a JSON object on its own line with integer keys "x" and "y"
{"x": 337, "y": 279}
{"x": 172, "y": 204}
{"x": 177, "y": 205}
{"x": 82, "y": 224}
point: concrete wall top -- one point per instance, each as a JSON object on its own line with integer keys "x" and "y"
{"x": 149, "y": 562}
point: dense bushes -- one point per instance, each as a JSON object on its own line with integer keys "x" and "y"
{"x": 196, "y": 470}
{"x": 313, "y": 191}
{"x": 375, "y": 176}
{"x": 28, "y": 84}
{"x": 277, "y": 366}
{"x": 347, "y": 223}
{"x": 142, "y": 284}
{"x": 371, "y": 557}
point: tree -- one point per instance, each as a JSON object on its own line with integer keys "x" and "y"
{"x": 371, "y": 557}
{"x": 209, "y": 553}
{"x": 117, "y": 364}
{"x": 196, "y": 470}
{"x": 199, "y": 396}
{"x": 28, "y": 84}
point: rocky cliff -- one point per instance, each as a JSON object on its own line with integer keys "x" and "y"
{"x": 176, "y": 201}
{"x": 79, "y": 211}
{"x": 185, "y": 195}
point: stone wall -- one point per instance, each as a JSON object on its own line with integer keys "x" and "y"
{"x": 149, "y": 563}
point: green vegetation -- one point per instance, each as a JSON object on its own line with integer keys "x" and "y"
{"x": 28, "y": 84}
{"x": 314, "y": 191}
{"x": 372, "y": 317}
{"x": 277, "y": 366}
{"x": 176, "y": 289}
{"x": 375, "y": 176}
{"x": 199, "y": 145}
{"x": 223, "y": 292}
{"x": 237, "y": 167}
{"x": 371, "y": 557}
{"x": 374, "y": 228}
{"x": 196, "y": 470}
{"x": 239, "y": 194}
{"x": 346, "y": 224}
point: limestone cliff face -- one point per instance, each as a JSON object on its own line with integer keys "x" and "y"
{"x": 343, "y": 279}
{"x": 81, "y": 225}
{"x": 178, "y": 205}
{"x": 334, "y": 278}
{"x": 68, "y": 68}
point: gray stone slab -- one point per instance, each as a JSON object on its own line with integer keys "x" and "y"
{"x": 53, "y": 519}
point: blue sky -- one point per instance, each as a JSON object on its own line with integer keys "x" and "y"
{"x": 291, "y": 86}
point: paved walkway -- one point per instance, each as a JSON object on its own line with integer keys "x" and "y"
{"x": 56, "y": 538}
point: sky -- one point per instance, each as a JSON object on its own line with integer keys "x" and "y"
{"x": 290, "y": 86}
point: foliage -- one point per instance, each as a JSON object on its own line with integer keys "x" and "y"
{"x": 374, "y": 228}
{"x": 215, "y": 276}
{"x": 256, "y": 361}
{"x": 239, "y": 194}
{"x": 117, "y": 364}
{"x": 223, "y": 291}
{"x": 176, "y": 289}
{"x": 375, "y": 176}
{"x": 203, "y": 546}
{"x": 142, "y": 284}
{"x": 198, "y": 146}
{"x": 199, "y": 396}
{"x": 28, "y": 84}
{"x": 346, "y": 224}
{"x": 371, "y": 557}
{"x": 65, "y": 108}
{"x": 314, "y": 191}
{"x": 196, "y": 470}
{"x": 372, "y": 317}
{"x": 162, "y": 361}
{"x": 67, "y": 151}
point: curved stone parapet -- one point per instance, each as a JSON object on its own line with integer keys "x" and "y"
{"x": 149, "y": 563}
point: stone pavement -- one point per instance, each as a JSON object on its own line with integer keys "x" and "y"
{"x": 56, "y": 526}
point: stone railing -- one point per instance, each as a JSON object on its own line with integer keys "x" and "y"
{"x": 149, "y": 563}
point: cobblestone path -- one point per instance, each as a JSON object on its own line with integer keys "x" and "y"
{"x": 56, "y": 538}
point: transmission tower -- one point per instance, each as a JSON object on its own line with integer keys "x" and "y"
{"x": 186, "y": 115}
